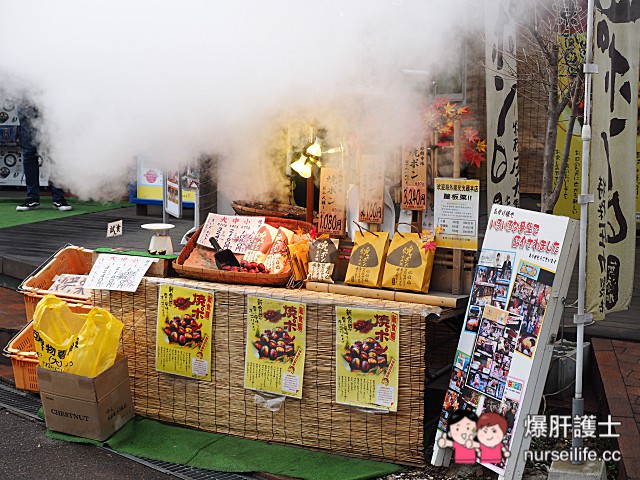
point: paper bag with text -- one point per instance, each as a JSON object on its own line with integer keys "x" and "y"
{"x": 322, "y": 258}
{"x": 277, "y": 260}
{"x": 367, "y": 259}
{"x": 409, "y": 262}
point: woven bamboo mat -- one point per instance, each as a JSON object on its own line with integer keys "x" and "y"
{"x": 225, "y": 406}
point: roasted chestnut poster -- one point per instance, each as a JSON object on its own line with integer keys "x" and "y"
{"x": 367, "y": 358}
{"x": 276, "y": 344}
{"x": 183, "y": 340}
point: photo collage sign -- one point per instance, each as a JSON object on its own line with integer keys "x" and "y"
{"x": 508, "y": 301}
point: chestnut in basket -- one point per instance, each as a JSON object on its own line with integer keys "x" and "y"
{"x": 184, "y": 331}
{"x": 247, "y": 267}
{"x": 367, "y": 356}
{"x": 275, "y": 344}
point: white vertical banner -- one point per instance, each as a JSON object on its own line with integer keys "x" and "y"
{"x": 612, "y": 171}
{"x": 503, "y": 170}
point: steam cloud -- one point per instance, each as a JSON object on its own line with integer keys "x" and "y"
{"x": 167, "y": 81}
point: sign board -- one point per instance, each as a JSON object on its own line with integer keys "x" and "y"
{"x": 173, "y": 193}
{"x": 332, "y": 202}
{"x": 514, "y": 309}
{"x": 183, "y": 338}
{"x": 231, "y": 231}
{"x": 456, "y": 206}
{"x": 276, "y": 345}
{"x": 117, "y": 272}
{"x": 371, "y": 191}
{"x": 149, "y": 184}
{"x": 367, "y": 355}
{"x": 414, "y": 179}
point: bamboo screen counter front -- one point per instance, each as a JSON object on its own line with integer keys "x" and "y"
{"x": 223, "y": 405}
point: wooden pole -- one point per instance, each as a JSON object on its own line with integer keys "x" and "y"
{"x": 458, "y": 255}
{"x": 310, "y": 187}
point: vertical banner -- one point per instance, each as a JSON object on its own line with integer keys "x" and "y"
{"x": 457, "y": 204}
{"x": 612, "y": 178}
{"x": 573, "y": 44}
{"x": 371, "y": 191}
{"x": 183, "y": 343}
{"x": 508, "y": 323}
{"x": 333, "y": 202}
{"x": 276, "y": 345}
{"x": 503, "y": 169}
{"x": 367, "y": 358}
{"x": 414, "y": 179}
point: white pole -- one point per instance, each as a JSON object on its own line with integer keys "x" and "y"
{"x": 580, "y": 319}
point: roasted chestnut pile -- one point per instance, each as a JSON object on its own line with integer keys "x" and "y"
{"x": 367, "y": 356}
{"x": 185, "y": 330}
{"x": 275, "y": 344}
{"x": 247, "y": 267}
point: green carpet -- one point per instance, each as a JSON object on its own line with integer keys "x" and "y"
{"x": 158, "y": 441}
{"x": 9, "y": 217}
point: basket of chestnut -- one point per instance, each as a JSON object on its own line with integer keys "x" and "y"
{"x": 366, "y": 357}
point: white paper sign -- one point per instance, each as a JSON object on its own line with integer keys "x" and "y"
{"x": 118, "y": 272}
{"x": 231, "y": 231}
{"x": 114, "y": 229}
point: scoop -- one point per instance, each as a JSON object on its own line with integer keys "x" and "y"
{"x": 223, "y": 257}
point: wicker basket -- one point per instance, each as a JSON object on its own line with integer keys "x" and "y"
{"x": 269, "y": 209}
{"x": 70, "y": 259}
{"x": 24, "y": 359}
{"x": 214, "y": 275}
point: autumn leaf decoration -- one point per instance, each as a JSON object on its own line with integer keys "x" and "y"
{"x": 429, "y": 240}
{"x": 441, "y": 115}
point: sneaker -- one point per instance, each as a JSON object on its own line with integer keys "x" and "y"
{"x": 27, "y": 205}
{"x": 62, "y": 205}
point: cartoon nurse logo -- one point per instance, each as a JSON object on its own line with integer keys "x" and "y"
{"x": 476, "y": 439}
{"x": 462, "y": 430}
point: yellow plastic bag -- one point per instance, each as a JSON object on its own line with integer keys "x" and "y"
{"x": 75, "y": 343}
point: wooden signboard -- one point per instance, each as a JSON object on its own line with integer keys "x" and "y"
{"x": 371, "y": 192}
{"x": 414, "y": 179}
{"x": 332, "y": 202}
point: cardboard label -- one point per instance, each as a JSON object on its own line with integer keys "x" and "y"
{"x": 414, "y": 179}
{"x": 332, "y": 202}
{"x": 371, "y": 191}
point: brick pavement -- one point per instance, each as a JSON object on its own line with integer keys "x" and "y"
{"x": 619, "y": 365}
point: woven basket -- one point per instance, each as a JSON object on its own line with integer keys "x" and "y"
{"x": 215, "y": 275}
{"x": 70, "y": 259}
{"x": 269, "y": 209}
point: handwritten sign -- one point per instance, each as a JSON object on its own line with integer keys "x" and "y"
{"x": 414, "y": 179}
{"x": 118, "y": 272}
{"x": 371, "y": 191}
{"x": 332, "y": 202}
{"x": 231, "y": 231}
{"x": 70, "y": 284}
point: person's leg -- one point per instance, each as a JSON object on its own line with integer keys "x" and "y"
{"x": 57, "y": 194}
{"x": 31, "y": 171}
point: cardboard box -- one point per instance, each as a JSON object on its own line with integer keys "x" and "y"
{"x": 87, "y": 407}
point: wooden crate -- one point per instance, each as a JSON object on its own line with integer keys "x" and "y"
{"x": 443, "y": 270}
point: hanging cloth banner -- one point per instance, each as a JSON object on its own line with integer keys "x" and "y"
{"x": 503, "y": 177}
{"x": 612, "y": 179}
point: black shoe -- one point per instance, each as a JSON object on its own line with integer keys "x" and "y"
{"x": 62, "y": 205}
{"x": 27, "y": 205}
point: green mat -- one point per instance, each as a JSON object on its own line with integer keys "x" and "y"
{"x": 158, "y": 441}
{"x": 9, "y": 217}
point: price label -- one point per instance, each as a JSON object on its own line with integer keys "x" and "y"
{"x": 414, "y": 179}
{"x": 332, "y": 202}
{"x": 371, "y": 192}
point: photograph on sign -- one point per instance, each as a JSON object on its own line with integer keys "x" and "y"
{"x": 367, "y": 348}
{"x": 456, "y": 209}
{"x": 276, "y": 346}
{"x": 173, "y": 194}
{"x": 183, "y": 337}
{"x": 507, "y": 306}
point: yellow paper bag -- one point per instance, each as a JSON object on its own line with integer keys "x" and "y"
{"x": 409, "y": 262}
{"x": 75, "y": 343}
{"x": 367, "y": 259}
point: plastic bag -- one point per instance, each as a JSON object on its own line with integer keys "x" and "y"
{"x": 75, "y": 343}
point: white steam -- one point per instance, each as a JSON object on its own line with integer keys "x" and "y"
{"x": 168, "y": 81}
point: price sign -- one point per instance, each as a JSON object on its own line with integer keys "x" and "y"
{"x": 414, "y": 179}
{"x": 371, "y": 191}
{"x": 332, "y": 202}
